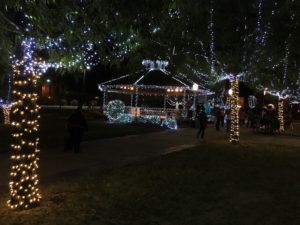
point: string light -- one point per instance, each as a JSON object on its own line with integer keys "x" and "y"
{"x": 114, "y": 109}
{"x": 117, "y": 113}
{"x": 280, "y": 115}
{"x": 170, "y": 123}
{"x": 6, "y": 112}
{"x": 24, "y": 191}
{"x": 234, "y": 132}
{"x": 258, "y": 29}
{"x": 211, "y": 30}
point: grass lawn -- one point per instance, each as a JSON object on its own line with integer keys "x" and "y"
{"x": 215, "y": 183}
{"x": 53, "y": 131}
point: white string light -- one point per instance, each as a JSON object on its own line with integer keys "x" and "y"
{"x": 234, "y": 132}
{"x": 6, "y": 112}
{"x": 24, "y": 191}
{"x": 280, "y": 115}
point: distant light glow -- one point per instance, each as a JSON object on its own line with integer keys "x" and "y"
{"x": 195, "y": 87}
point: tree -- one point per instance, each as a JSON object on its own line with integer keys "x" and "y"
{"x": 202, "y": 39}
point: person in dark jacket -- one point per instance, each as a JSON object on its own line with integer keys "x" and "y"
{"x": 228, "y": 120}
{"x": 218, "y": 119}
{"x": 76, "y": 125}
{"x": 202, "y": 117}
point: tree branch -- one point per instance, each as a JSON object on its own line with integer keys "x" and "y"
{"x": 9, "y": 21}
{"x": 13, "y": 31}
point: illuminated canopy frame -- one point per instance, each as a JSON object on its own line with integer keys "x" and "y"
{"x": 156, "y": 81}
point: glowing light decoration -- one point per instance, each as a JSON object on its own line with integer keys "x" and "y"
{"x": 211, "y": 30}
{"x": 115, "y": 109}
{"x": 234, "y": 132}
{"x": 280, "y": 115}
{"x": 258, "y": 29}
{"x": 6, "y": 112}
{"x": 169, "y": 123}
{"x": 124, "y": 118}
{"x": 24, "y": 191}
{"x": 154, "y": 119}
{"x": 173, "y": 101}
{"x": 115, "y": 112}
{"x": 252, "y": 101}
{"x": 155, "y": 65}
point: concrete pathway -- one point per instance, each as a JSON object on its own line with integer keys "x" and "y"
{"x": 104, "y": 154}
{"x": 101, "y": 155}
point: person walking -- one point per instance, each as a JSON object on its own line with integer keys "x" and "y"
{"x": 202, "y": 117}
{"x": 218, "y": 119}
{"x": 76, "y": 126}
{"x": 222, "y": 116}
{"x": 228, "y": 120}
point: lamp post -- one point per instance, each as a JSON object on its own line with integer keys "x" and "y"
{"x": 83, "y": 84}
{"x": 195, "y": 88}
{"x": 230, "y": 94}
{"x": 265, "y": 92}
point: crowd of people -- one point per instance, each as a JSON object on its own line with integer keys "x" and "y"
{"x": 263, "y": 120}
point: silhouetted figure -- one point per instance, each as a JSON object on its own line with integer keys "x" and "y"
{"x": 228, "y": 120}
{"x": 202, "y": 117}
{"x": 250, "y": 121}
{"x": 242, "y": 117}
{"x": 218, "y": 119}
{"x": 222, "y": 117}
{"x": 76, "y": 126}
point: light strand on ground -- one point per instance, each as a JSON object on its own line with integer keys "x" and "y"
{"x": 234, "y": 132}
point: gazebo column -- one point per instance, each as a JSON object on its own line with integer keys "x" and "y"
{"x": 184, "y": 102}
{"x": 136, "y": 100}
{"x": 104, "y": 100}
{"x": 131, "y": 100}
{"x": 165, "y": 102}
{"x": 194, "y": 103}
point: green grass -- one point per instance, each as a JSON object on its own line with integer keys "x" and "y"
{"x": 215, "y": 183}
{"x": 53, "y": 132}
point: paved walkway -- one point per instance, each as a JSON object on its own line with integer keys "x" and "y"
{"x": 100, "y": 155}
{"x": 105, "y": 154}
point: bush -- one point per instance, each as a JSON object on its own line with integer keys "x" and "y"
{"x": 64, "y": 101}
{"x": 74, "y": 102}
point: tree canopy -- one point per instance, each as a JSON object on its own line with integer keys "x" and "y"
{"x": 203, "y": 39}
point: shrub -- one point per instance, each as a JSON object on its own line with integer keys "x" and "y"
{"x": 64, "y": 101}
{"x": 74, "y": 102}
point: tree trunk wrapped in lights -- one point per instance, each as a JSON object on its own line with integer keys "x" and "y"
{"x": 234, "y": 132}
{"x": 6, "y": 113}
{"x": 24, "y": 192}
{"x": 280, "y": 115}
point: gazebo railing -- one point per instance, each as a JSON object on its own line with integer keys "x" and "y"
{"x": 156, "y": 111}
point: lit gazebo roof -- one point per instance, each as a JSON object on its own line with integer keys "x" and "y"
{"x": 156, "y": 80}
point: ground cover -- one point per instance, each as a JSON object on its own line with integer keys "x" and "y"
{"x": 53, "y": 132}
{"x": 214, "y": 183}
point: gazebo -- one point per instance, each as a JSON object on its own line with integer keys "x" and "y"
{"x": 155, "y": 80}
